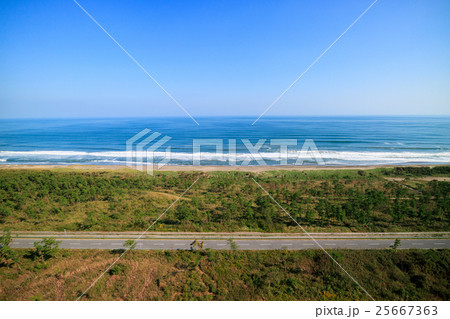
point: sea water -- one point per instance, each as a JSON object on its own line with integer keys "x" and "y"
{"x": 339, "y": 140}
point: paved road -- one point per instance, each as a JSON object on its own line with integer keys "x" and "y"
{"x": 252, "y": 244}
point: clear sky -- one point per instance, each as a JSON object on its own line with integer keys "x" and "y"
{"x": 224, "y": 58}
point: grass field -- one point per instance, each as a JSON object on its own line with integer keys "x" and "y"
{"x": 229, "y": 275}
{"x": 395, "y": 199}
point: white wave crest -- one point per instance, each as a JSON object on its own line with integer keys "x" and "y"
{"x": 329, "y": 157}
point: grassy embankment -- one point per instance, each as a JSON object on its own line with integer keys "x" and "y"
{"x": 398, "y": 199}
{"x": 229, "y": 275}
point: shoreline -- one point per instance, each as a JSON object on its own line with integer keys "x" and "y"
{"x": 212, "y": 168}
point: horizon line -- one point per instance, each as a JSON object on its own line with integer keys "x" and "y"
{"x": 220, "y": 116}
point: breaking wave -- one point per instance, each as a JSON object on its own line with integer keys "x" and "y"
{"x": 211, "y": 158}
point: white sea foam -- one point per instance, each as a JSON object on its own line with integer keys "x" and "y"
{"x": 330, "y": 157}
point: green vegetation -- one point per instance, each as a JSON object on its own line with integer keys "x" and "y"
{"x": 45, "y": 249}
{"x": 384, "y": 199}
{"x": 8, "y": 256}
{"x": 130, "y": 244}
{"x": 230, "y": 275}
{"x": 397, "y": 244}
{"x": 116, "y": 270}
{"x": 417, "y": 171}
{"x": 232, "y": 244}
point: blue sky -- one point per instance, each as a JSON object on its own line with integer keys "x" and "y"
{"x": 224, "y": 58}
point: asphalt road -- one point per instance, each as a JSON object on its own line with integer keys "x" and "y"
{"x": 243, "y": 244}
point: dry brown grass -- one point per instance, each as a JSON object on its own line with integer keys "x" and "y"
{"x": 229, "y": 275}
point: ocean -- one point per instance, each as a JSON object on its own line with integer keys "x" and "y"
{"x": 339, "y": 140}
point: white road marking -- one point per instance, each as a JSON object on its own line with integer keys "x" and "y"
{"x": 263, "y": 244}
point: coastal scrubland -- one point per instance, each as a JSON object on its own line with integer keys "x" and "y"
{"x": 382, "y": 199}
{"x": 228, "y": 275}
